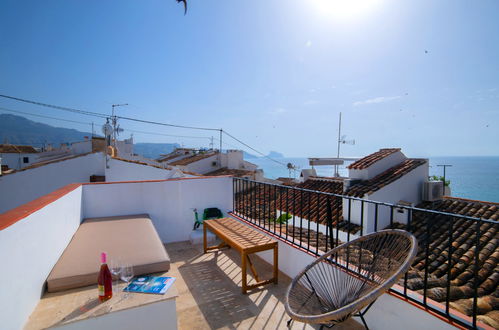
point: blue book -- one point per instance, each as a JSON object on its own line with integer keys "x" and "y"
{"x": 150, "y": 284}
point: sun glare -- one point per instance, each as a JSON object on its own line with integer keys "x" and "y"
{"x": 344, "y": 9}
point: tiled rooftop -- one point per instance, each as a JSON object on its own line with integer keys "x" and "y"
{"x": 15, "y": 149}
{"x": 141, "y": 163}
{"x": 367, "y": 161}
{"x": 234, "y": 172}
{"x": 384, "y": 178}
{"x": 165, "y": 158}
{"x": 464, "y": 235}
{"x": 300, "y": 203}
{"x": 192, "y": 159}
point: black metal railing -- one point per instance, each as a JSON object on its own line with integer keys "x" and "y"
{"x": 457, "y": 258}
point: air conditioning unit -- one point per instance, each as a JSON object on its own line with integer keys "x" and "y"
{"x": 433, "y": 190}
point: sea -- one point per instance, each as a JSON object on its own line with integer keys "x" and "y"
{"x": 470, "y": 177}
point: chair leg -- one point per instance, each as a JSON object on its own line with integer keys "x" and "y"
{"x": 362, "y": 313}
{"x": 289, "y": 322}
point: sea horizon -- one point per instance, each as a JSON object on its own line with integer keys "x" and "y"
{"x": 471, "y": 177}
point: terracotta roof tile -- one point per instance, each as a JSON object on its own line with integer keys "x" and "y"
{"x": 385, "y": 178}
{"x": 367, "y": 161}
{"x": 15, "y": 149}
{"x": 268, "y": 198}
{"x": 165, "y": 158}
{"x": 434, "y": 230}
{"x": 156, "y": 166}
{"x": 234, "y": 172}
{"x": 192, "y": 159}
{"x": 287, "y": 181}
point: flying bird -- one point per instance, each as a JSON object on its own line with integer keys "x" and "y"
{"x": 185, "y": 5}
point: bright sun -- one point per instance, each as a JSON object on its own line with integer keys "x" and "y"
{"x": 344, "y": 9}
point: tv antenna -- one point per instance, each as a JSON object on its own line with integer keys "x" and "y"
{"x": 341, "y": 140}
{"x": 114, "y": 120}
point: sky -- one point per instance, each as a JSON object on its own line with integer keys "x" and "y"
{"x": 420, "y": 75}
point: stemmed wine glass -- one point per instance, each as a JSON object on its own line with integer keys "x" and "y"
{"x": 126, "y": 275}
{"x": 116, "y": 269}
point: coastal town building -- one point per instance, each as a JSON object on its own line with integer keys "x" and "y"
{"x": 213, "y": 163}
{"x": 16, "y": 157}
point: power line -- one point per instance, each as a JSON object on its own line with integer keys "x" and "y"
{"x": 171, "y": 135}
{"x": 42, "y": 116}
{"x": 83, "y": 112}
{"x": 90, "y": 113}
{"x": 248, "y": 146}
{"x": 169, "y": 125}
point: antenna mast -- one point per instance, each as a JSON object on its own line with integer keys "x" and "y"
{"x": 339, "y": 143}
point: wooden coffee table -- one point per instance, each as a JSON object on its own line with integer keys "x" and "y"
{"x": 246, "y": 241}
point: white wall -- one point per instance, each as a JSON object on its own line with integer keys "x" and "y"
{"x": 81, "y": 147}
{"x": 29, "y": 249}
{"x": 204, "y": 165}
{"x": 234, "y": 159}
{"x": 15, "y": 161}
{"x": 407, "y": 188}
{"x": 378, "y": 167}
{"x": 168, "y": 203}
{"x": 24, "y": 186}
{"x": 125, "y": 171}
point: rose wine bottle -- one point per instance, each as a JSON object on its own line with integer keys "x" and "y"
{"x": 105, "y": 280}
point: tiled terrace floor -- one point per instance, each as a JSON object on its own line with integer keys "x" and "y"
{"x": 209, "y": 287}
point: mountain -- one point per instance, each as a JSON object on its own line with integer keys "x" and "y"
{"x": 153, "y": 150}
{"x": 19, "y": 130}
{"x": 275, "y": 154}
{"x": 247, "y": 155}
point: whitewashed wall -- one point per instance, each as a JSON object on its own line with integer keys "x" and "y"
{"x": 408, "y": 188}
{"x": 81, "y": 147}
{"x": 170, "y": 204}
{"x": 15, "y": 161}
{"x": 29, "y": 249}
{"x": 24, "y": 186}
{"x": 204, "y": 165}
{"x": 125, "y": 171}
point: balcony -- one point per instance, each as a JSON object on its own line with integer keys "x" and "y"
{"x": 33, "y": 237}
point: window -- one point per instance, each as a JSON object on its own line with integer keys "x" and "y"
{"x": 25, "y": 160}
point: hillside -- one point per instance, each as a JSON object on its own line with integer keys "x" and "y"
{"x": 19, "y": 130}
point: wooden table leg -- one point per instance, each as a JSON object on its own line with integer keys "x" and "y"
{"x": 243, "y": 272}
{"x": 204, "y": 239}
{"x": 276, "y": 265}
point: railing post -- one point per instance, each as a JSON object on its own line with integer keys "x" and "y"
{"x": 329, "y": 224}
{"x": 449, "y": 265}
{"x": 475, "y": 271}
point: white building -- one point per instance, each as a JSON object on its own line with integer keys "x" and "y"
{"x": 16, "y": 157}
{"x": 212, "y": 162}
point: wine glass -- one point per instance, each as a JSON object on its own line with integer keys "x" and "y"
{"x": 116, "y": 269}
{"x": 126, "y": 275}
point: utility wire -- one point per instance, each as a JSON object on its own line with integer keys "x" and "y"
{"x": 258, "y": 152}
{"x": 83, "y": 112}
{"x": 89, "y": 113}
{"x": 179, "y": 136}
{"x": 42, "y": 116}
{"x": 169, "y": 125}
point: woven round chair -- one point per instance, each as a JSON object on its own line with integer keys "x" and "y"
{"x": 350, "y": 277}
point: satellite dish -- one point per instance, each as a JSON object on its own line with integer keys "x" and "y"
{"x": 107, "y": 129}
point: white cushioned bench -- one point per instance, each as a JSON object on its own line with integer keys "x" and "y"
{"x": 131, "y": 238}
